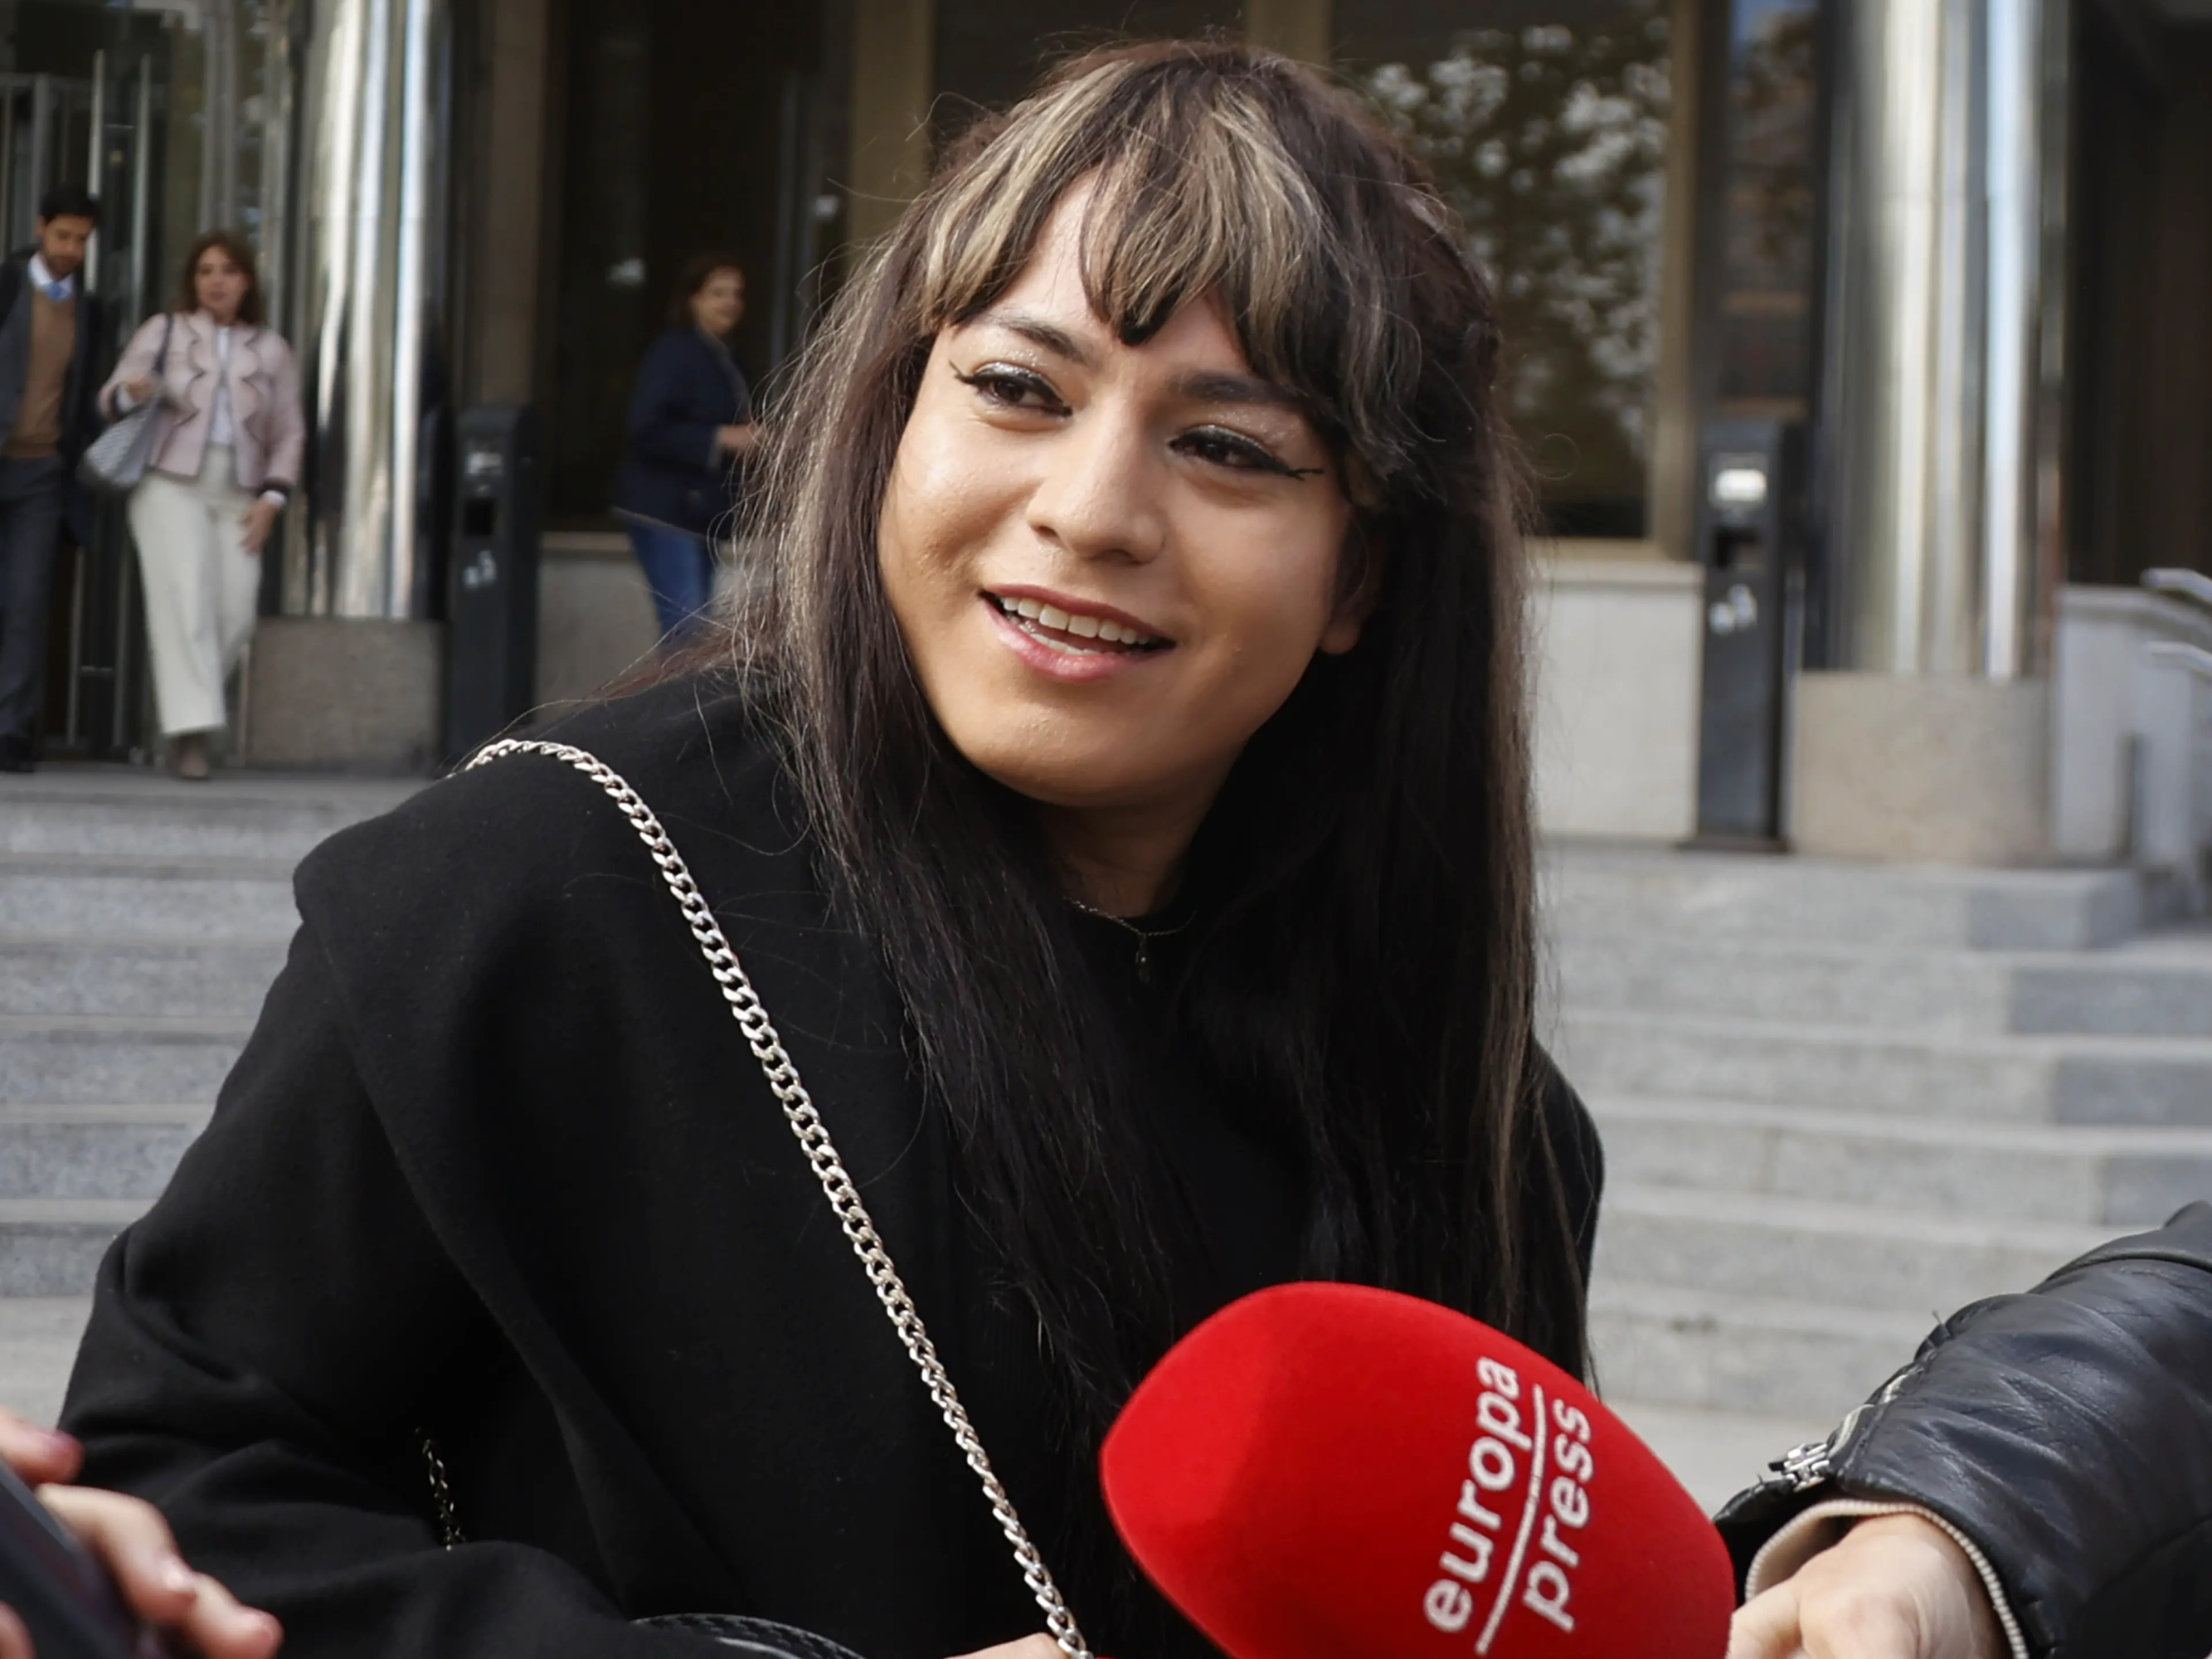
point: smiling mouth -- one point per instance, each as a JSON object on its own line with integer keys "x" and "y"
{"x": 1076, "y": 633}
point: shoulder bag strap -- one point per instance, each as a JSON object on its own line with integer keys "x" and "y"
{"x": 813, "y": 1138}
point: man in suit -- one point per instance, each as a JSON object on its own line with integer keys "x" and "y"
{"x": 51, "y": 336}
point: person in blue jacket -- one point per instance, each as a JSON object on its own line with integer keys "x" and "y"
{"x": 691, "y": 429}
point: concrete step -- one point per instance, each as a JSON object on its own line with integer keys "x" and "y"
{"x": 1754, "y": 1244}
{"x": 52, "y": 1246}
{"x": 197, "y": 980}
{"x": 1716, "y": 1454}
{"x": 1779, "y": 1357}
{"x": 2143, "y": 987}
{"x": 2158, "y": 986}
{"x": 1728, "y": 896}
{"x": 2018, "y": 1079}
{"x": 93, "y": 1152}
{"x": 124, "y": 811}
{"x": 82, "y": 1060}
{"x": 1786, "y": 979}
{"x": 2085, "y": 1177}
{"x": 38, "y": 1337}
{"x": 50, "y": 897}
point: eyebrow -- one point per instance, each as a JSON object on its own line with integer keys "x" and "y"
{"x": 1220, "y": 386}
{"x": 1051, "y": 336}
{"x": 1200, "y": 385}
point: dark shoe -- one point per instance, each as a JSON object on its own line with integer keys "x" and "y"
{"x": 15, "y": 755}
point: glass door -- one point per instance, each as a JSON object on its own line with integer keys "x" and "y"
{"x": 177, "y": 113}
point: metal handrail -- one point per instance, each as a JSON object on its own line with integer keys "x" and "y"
{"x": 2194, "y": 657}
{"x": 2192, "y": 585}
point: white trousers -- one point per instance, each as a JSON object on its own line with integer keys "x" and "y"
{"x": 201, "y": 586}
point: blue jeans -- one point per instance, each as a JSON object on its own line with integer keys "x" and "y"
{"x": 679, "y": 568}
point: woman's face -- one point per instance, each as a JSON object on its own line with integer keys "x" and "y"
{"x": 721, "y": 301}
{"x": 219, "y": 284}
{"x": 1112, "y": 563}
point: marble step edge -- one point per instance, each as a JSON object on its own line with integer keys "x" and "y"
{"x": 156, "y": 866}
{"x": 161, "y": 1115}
{"x": 163, "y": 949}
{"x": 47, "y": 1213}
{"x": 1947, "y": 1134}
{"x": 1787, "y": 1316}
{"x": 2147, "y": 953}
{"x": 2050, "y": 1046}
{"x": 148, "y": 1028}
{"x": 2061, "y": 1241}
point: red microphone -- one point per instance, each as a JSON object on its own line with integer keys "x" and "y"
{"x": 1332, "y": 1472}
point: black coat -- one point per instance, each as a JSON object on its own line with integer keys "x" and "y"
{"x": 2067, "y": 1431}
{"x": 674, "y": 471}
{"x": 497, "y": 1164}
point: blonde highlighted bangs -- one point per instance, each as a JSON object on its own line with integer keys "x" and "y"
{"x": 1203, "y": 164}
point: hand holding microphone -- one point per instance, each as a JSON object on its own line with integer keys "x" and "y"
{"x": 1894, "y": 1588}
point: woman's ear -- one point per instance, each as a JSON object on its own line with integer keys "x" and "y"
{"x": 1359, "y": 588}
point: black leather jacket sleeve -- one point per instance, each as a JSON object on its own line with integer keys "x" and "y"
{"x": 2067, "y": 1431}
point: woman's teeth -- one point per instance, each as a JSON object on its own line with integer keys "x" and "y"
{"x": 1080, "y": 624}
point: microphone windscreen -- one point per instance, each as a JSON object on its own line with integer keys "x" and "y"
{"x": 1335, "y": 1472}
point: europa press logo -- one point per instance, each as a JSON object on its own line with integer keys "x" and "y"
{"x": 1320, "y": 1470}
{"x": 1524, "y": 1496}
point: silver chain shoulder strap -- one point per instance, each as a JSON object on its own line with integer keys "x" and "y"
{"x": 813, "y": 1138}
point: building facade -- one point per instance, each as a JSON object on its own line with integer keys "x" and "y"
{"x": 1938, "y": 272}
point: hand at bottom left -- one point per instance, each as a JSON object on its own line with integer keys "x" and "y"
{"x": 130, "y": 1539}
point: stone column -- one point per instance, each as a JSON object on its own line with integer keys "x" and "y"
{"x": 1926, "y": 734}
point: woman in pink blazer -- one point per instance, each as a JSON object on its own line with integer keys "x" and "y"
{"x": 224, "y": 465}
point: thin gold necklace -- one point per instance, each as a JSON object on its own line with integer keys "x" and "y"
{"x": 1144, "y": 936}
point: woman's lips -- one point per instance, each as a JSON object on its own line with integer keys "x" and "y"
{"x": 1069, "y": 645}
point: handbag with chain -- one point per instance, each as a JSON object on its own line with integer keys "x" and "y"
{"x": 113, "y": 463}
{"x": 760, "y": 1637}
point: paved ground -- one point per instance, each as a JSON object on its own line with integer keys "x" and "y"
{"x": 37, "y": 1341}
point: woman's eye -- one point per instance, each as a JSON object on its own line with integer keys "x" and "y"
{"x": 1012, "y": 388}
{"x": 1230, "y": 449}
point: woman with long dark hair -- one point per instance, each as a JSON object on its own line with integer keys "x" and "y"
{"x": 1120, "y": 797}
{"x": 1109, "y": 830}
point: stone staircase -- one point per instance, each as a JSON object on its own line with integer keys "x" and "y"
{"x": 1837, "y": 1102}
{"x": 1841, "y": 1101}
{"x": 140, "y": 922}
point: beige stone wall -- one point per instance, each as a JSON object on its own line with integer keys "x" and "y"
{"x": 1619, "y": 644}
{"x": 344, "y": 695}
{"x": 1922, "y": 768}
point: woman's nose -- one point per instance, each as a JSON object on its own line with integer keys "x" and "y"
{"x": 1099, "y": 495}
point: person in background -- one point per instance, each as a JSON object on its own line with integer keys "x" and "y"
{"x": 690, "y": 430}
{"x": 52, "y": 331}
{"x": 127, "y": 1536}
{"x": 232, "y": 431}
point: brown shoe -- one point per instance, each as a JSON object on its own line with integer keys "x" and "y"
{"x": 188, "y": 757}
